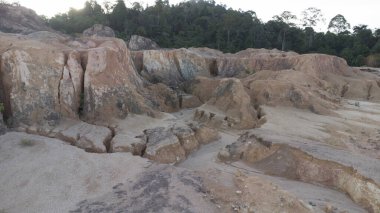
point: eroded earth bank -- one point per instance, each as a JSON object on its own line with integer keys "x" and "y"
{"x": 95, "y": 124}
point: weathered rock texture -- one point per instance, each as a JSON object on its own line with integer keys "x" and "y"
{"x": 165, "y": 145}
{"x": 286, "y": 161}
{"x": 45, "y": 77}
{"x": 229, "y": 106}
{"x": 99, "y": 30}
{"x": 18, "y": 19}
{"x": 141, "y": 43}
{"x": 314, "y": 81}
{"x": 91, "y": 138}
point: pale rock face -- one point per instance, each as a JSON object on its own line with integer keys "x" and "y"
{"x": 71, "y": 86}
{"x": 88, "y": 137}
{"x": 172, "y": 67}
{"x": 31, "y": 84}
{"x": 111, "y": 84}
{"x": 141, "y": 43}
{"x": 229, "y": 107}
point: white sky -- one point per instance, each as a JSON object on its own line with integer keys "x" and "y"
{"x": 355, "y": 11}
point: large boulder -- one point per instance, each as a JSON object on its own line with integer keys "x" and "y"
{"x": 30, "y": 81}
{"x": 99, "y": 30}
{"x": 112, "y": 86}
{"x": 141, "y": 43}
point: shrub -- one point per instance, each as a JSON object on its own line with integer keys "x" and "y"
{"x": 26, "y": 142}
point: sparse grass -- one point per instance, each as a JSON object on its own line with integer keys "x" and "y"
{"x": 26, "y": 142}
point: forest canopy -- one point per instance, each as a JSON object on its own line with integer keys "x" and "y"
{"x": 203, "y": 23}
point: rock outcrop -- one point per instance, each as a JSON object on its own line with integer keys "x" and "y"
{"x": 89, "y": 137}
{"x": 18, "y": 19}
{"x": 46, "y": 77}
{"x": 229, "y": 107}
{"x": 141, "y": 43}
{"x": 286, "y": 161}
{"x": 165, "y": 144}
{"x": 99, "y": 30}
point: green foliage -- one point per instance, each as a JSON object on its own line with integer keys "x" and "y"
{"x": 1, "y": 107}
{"x": 203, "y": 23}
{"x": 339, "y": 24}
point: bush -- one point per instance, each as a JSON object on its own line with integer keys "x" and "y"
{"x": 27, "y": 142}
{"x": 1, "y": 107}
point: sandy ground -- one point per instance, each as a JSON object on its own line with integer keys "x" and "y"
{"x": 40, "y": 174}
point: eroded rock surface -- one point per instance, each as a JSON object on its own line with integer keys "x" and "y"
{"x": 141, "y": 43}
{"x": 286, "y": 161}
{"x": 229, "y": 107}
{"x": 92, "y": 79}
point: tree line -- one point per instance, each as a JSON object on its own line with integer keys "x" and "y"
{"x": 203, "y": 23}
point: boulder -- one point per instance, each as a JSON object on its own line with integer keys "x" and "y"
{"x": 88, "y": 137}
{"x": 99, "y": 30}
{"x": 30, "y": 81}
{"x": 205, "y": 134}
{"x": 141, "y": 43}
{"x": 126, "y": 143}
{"x": 112, "y": 87}
{"x": 187, "y": 138}
{"x": 163, "y": 146}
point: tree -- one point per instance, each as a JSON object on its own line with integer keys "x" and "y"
{"x": 311, "y": 16}
{"x": 287, "y": 19}
{"x": 364, "y": 35}
{"x": 339, "y": 24}
{"x": 118, "y": 16}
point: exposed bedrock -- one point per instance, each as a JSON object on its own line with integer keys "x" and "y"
{"x": 286, "y": 161}
{"x": 165, "y": 144}
{"x": 48, "y": 77}
{"x": 229, "y": 107}
{"x": 313, "y": 81}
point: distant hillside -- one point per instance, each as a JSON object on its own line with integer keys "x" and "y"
{"x": 17, "y": 19}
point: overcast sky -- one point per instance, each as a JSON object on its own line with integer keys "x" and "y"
{"x": 356, "y": 11}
